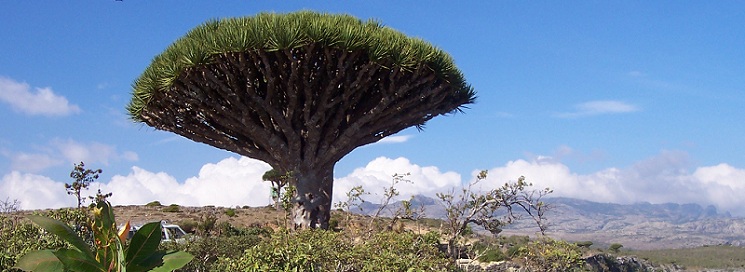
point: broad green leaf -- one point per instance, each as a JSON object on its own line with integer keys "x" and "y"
{"x": 120, "y": 262}
{"x": 151, "y": 261}
{"x": 77, "y": 261}
{"x": 107, "y": 214}
{"x": 144, "y": 243}
{"x": 40, "y": 261}
{"x": 173, "y": 261}
{"x": 62, "y": 231}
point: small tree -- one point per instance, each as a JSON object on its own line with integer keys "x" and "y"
{"x": 388, "y": 194}
{"x": 278, "y": 180}
{"x": 8, "y": 206}
{"x": 481, "y": 208}
{"x": 83, "y": 177}
{"x": 615, "y": 247}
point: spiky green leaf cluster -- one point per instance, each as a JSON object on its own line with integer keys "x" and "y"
{"x": 271, "y": 31}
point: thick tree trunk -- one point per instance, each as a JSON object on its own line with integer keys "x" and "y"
{"x": 312, "y": 201}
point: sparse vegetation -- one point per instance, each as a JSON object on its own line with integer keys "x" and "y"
{"x": 153, "y": 204}
{"x": 550, "y": 255}
{"x": 172, "y": 208}
{"x": 711, "y": 257}
{"x": 471, "y": 207}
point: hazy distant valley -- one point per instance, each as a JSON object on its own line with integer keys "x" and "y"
{"x": 635, "y": 226}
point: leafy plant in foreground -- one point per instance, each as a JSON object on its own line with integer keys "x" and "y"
{"x": 110, "y": 253}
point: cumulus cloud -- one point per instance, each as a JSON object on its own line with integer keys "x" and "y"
{"x": 660, "y": 179}
{"x": 42, "y": 101}
{"x": 666, "y": 177}
{"x": 34, "y": 191}
{"x": 378, "y": 174}
{"x": 230, "y": 182}
{"x": 599, "y": 107}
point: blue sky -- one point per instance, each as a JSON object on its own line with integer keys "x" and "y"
{"x": 622, "y": 101}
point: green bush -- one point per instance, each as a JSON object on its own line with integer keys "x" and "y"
{"x": 19, "y": 236}
{"x": 208, "y": 249}
{"x": 488, "y": 252}
{"x": 391, "y": 251}
{"x": 230, "y": 212}
{"x": 153, "y": 204}
{"x": 188, "y": 225}
{"x": 615, "y": 247}
{"x": 172, "y": 208}
{"x": 552, "y": 256}
{"x": 318, "y": 250}
{"x": 300, "y": 251}
{"x": 584, "y": 244}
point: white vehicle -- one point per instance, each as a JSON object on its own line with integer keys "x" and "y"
{"x": 171, "y": 232}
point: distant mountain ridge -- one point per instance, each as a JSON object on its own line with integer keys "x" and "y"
{"x": 638, "y": 225}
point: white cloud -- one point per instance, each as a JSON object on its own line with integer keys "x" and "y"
{"x": 237, "y": 181}
{"x": 34, "y": 191}
{"x": 660, "y": 179}
{"x": 599, "y": 107}
{"x": 230, "y": 182}
{"x": 42, "y": 101}
{"x": 378, "y": 174}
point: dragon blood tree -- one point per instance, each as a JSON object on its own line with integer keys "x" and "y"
{"x": 298, "y": 91}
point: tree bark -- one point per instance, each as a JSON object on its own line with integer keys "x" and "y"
{"x": 312, "y": 200}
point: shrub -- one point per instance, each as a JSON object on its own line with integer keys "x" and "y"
{"x": 615, "y": 247}
{"x": 189, "y": 226}
{"x": 319, "y": 250}
{"x": 584, "y": 244}
{"x": 172, "y": 208}
{"x": 230, "y": 212}
{"x": 208, "y": 249}
{"x": 391, "y": 251}
{"x": 552, "y": 256}
{"x": 153, "y": 204}
{"x": 301, "y": 251}
{"x": 488, "y": 253}
{"x": 206, "y": 224}
{"x": 19, "y": 236}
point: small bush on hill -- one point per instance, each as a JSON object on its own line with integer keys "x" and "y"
{"x": 552, "y": 256}
{"x": 172, "y": 208}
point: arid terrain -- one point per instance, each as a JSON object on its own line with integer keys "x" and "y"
{"x": 636, "y": 226}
